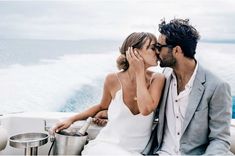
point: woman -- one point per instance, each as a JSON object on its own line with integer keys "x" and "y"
{"x": 131, "y": 96}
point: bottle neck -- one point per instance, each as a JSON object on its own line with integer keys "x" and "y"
{"x": 86, "y": 125}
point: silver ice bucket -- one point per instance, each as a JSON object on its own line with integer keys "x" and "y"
{"x": 66, "y": 144}
{"x": 29, "y": 141}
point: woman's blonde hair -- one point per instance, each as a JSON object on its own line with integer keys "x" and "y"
{"x": 135, "y": 40}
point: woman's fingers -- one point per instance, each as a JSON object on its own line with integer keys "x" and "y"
{"x": 56, "y": 127}
{"x": 137, "y": 55}
{"x": 128, "y": 56}
{"x": 60, "y": 128}
{"x": 61, "y": 125}
{"x": 134, "y": 58}
{"x": 131, "y": 52}
{"x": 134, "y": 54}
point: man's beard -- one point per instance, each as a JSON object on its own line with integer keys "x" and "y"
{"x": 170, "y": 61}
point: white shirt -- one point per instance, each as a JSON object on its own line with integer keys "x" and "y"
{"x": 175, "y": 113}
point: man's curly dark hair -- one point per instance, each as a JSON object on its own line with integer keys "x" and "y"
{"x": 179, "y": 32}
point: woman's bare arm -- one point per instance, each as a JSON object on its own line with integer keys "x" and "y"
{"x": 92, "y": 111}
{"x": 148, "y": 98}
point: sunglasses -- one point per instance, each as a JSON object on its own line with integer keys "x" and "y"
{"x": 159, "y": 46}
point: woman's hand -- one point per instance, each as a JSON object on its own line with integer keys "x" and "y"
{"x": 135, "y": 60}
{"x": 62, "y": 125}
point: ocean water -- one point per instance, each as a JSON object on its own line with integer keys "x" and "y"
{"x": 55, "y": 75}
{"x": 233, "y": 115}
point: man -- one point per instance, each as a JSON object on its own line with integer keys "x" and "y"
{"x": 195, "y": 109}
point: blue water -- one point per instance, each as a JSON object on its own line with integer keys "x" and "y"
{"x": 86, "y": 95}
{"x": 29, "y": 52}
{"x": 48, "y": 75}
{"x": 233, "y": 101}
{"x": 65, "y": 76}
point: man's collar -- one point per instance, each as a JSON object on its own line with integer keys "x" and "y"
{"x": 190, "y": 82}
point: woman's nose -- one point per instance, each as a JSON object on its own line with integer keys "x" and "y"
{"x": 157, "y": 52}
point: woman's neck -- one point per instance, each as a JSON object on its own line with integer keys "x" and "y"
{"x": 132, "y": 75}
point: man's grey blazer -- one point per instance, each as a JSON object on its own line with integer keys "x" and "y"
{"x": 206, "y": 128}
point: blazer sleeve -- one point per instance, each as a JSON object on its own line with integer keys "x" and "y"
{"x": 220, "y": 107}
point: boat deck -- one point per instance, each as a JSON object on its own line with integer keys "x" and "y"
{"x": 19, "y": 123}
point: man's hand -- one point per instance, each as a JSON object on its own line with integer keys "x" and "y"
{"x": 101, "y": 118}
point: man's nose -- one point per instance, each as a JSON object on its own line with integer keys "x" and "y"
{"x": 158, "y": 56}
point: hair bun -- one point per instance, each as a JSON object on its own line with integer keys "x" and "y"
{"x": 122, "y": 62}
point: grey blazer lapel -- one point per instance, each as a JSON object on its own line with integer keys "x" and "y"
{"x": 152, "y": 145}
{"x": 194, "y": 97}
{"x": 163, "y": 106}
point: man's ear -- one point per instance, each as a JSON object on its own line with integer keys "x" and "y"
{"x": 177, "y": 50}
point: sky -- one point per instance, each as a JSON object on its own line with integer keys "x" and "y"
{"x": 112, "y": 19}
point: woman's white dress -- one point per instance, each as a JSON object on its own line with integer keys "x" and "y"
{"x": 124, "y": 134}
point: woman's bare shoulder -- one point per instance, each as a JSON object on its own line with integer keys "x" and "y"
{"x": 154, "y": 74}
{"x": 112, "y": 79}
{"x": 157, "y": 76}
{"x": 112, "y": 83}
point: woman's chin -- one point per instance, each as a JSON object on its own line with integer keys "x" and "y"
{"x": 153, "y": 65}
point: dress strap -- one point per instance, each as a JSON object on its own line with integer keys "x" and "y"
{"x": 118, "y": 79}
